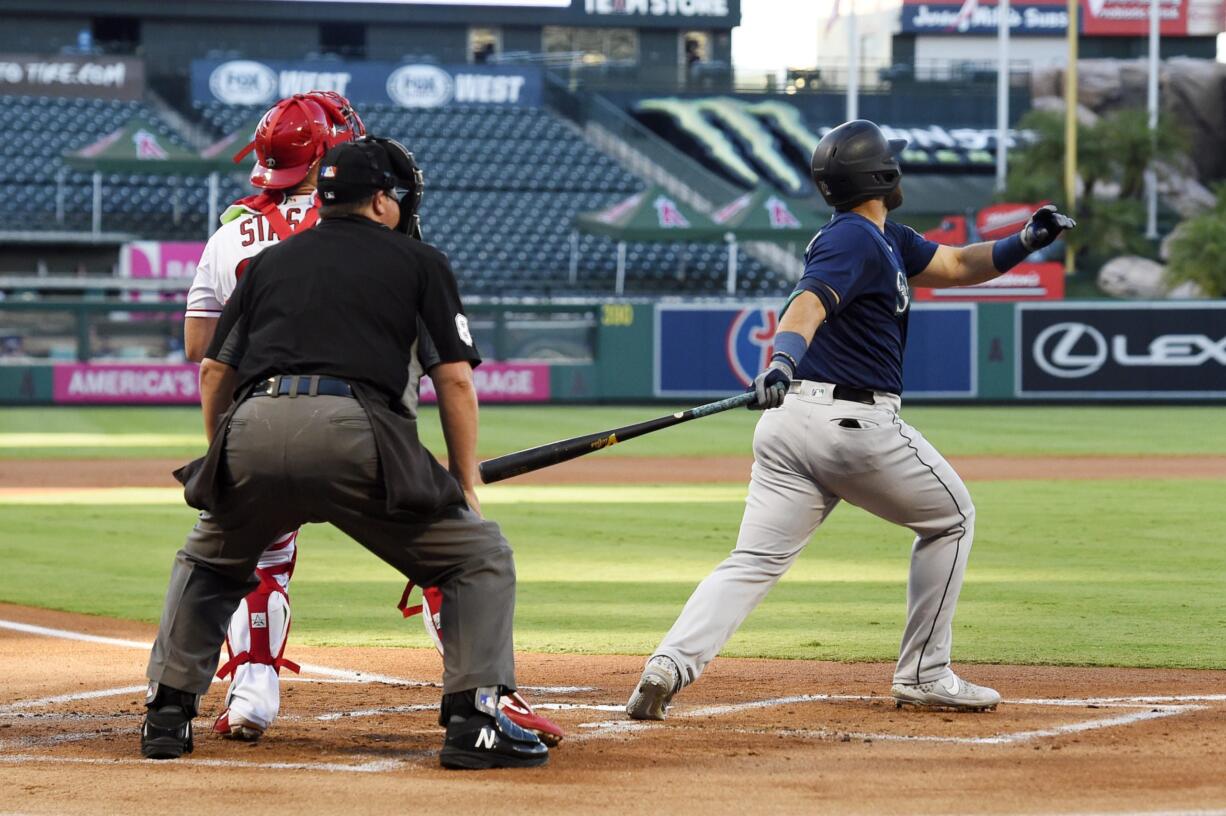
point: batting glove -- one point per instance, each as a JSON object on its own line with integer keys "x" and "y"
{"x": 1044, "y": 227}
{"x": 771, "y": 385}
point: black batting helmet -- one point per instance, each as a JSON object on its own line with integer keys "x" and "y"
{"x": 855, "y": 162}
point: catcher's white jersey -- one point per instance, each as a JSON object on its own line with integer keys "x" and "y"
{"x": 237, "y": 240}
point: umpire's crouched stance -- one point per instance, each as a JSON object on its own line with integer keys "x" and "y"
{"x": 315, "y": 347}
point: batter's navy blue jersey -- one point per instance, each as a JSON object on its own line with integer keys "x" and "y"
{"x": 860, "y": 276}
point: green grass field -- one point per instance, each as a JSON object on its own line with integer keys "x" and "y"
{"x": 1011, "y": 431}
{"x": 1125, "y": 572}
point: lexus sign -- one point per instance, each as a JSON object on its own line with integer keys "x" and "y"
{"x": 1156, "y": 350}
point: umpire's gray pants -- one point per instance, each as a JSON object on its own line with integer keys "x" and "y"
{"x": 805, "y": 460}
{"x": 313, "y": 459}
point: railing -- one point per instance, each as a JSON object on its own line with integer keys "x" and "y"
{"x": 875, "y": 76}
{"x": 132, "y": 331}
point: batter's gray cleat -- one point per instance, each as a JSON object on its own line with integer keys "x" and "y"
{"x": 660, "y": 681}
{"x": 951, "y": 692}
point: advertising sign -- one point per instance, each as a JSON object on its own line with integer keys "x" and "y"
{"x": 414, "y": 85}
{"x": 1130, "y": 18}
{"x": 489, "y": 3}
{"x": 677, "y": 14}
{"x": 160, "y": 259}
{"x": 1138, "y": 351}
{"x": 704, "y": 351}
{"x": 659, "y": 8}
{"x": 503, "y": 382}
{"x": 97, "y": 77}
{"x": 1096, "y": 18}
{"x": 1026, "y": 281}
{"x": 120, "y": 383}
{"x": 974, "y": 18}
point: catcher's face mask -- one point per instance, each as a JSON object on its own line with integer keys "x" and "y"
{"x": 410, "y": 184}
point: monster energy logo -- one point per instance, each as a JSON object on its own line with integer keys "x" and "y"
{"x": 770, "y": 142}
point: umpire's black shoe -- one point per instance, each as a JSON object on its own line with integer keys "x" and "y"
{"x": 480, "y": 736}
{"x": 166, "y": 732}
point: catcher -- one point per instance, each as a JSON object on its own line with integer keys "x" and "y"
{"x": 290, "y": 140}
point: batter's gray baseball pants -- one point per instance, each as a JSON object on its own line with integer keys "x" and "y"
{"x": 808, "y": 455}
{"x": 297, "y": 460}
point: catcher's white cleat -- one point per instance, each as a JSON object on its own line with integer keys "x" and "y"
{"x": 951, "y": 692}
{"x": 660, "y": 681}
{"x": 236, "y": 728}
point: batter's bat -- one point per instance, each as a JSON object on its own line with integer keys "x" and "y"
{"x": 515, "y": 464}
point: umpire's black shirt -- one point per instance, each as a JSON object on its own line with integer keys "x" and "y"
{"x": 342, "y": 300}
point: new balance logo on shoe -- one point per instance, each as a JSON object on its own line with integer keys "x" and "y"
{"x": 486, "y": 739}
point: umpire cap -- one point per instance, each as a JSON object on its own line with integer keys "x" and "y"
{"x": 354, "y": 170}
{"x": 855, "y": 162}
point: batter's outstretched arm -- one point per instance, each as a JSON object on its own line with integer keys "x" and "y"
{"x": 958, "y": 266}
{"x": 968, "y": 265}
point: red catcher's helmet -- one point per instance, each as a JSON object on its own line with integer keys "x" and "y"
{"x": 294, "y": 134}
{"x": 336, "y": 104}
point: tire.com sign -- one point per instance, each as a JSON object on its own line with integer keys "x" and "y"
{"x": 1129, "y": 351}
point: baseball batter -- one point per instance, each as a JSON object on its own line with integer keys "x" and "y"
{"x": 835, "y": 433}
{"x": 289, "y": 142}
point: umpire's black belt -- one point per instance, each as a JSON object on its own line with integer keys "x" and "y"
{"x": 845, "y": 392}
{"x": 288, "y": 385}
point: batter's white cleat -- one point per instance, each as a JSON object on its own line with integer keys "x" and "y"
{"x": 660, "y": 681}
{"x": 951, "y": 692}
{"x": 235, "y": 727}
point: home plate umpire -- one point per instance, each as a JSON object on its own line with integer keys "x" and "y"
{"x": 314, "y": 348}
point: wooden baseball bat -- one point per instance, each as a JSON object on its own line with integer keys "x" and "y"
{"x": 514, "y": 464}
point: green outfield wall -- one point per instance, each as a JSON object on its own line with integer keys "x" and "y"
{"x": 579, "y": 351}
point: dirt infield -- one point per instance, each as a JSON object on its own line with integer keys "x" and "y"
{"x": 358, "y": 735}
{"x": 632, "y": 470}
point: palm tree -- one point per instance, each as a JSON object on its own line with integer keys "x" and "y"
{"x": 1198, "y": 250}
{"x": 1112, "y": 153}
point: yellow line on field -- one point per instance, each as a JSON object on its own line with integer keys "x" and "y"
{"x": 98, "y": 440}
{"x": 495, "y": 494}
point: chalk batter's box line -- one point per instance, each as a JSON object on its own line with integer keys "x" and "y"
{"x": 1156, "y": 707}
{"x": 1146, "y": 708}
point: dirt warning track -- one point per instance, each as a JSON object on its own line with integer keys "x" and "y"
{"x": 358, "y": 734}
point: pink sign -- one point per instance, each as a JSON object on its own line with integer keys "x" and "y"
{"x": 102, "y": 383}
{"x": 503, "y": 382}
{"x": 160, "y": 259}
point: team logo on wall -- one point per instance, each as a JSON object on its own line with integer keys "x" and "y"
{"x": 750, "y": 342}
{"x": 780, "y": 216}
{"x": 243, "y": 82}
{"x": 148, "y": 147}
{"x": 420, "y": 86}
{"x": 1158, "y": 350}
{"x": 669, "y": 214}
